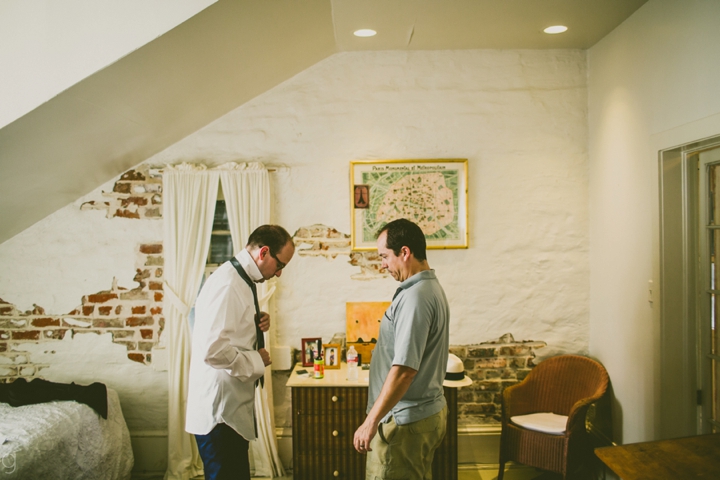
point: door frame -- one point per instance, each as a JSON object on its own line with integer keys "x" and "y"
{"x": 681, "y": 374}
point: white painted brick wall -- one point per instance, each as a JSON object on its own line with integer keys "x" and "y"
{"x": 520, "y": 117}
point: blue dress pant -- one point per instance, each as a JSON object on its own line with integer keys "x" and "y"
{"x": 224, "y": 453}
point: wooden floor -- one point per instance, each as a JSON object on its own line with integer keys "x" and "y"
{"x": 512, "y": 473}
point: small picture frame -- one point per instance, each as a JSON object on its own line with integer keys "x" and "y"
{"x": 309, "y": 349}
{"x": 331, "y": 354}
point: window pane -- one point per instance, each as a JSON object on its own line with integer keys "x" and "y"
{"x": 221, "y": 248}
{"x": 221, "y": 218}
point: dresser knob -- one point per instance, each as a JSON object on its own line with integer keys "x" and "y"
{"x": 334, "y": 399}
{"x": 335, "y": 433}
{"x": 336, "y": 473}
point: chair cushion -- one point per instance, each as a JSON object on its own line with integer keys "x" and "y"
{"x": 542, "y": 422}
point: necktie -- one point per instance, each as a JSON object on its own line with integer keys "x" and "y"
{"x": 258, "y": 333}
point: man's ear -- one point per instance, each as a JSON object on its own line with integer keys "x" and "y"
{"x": 405, "y": 253}
{"x": 264, "y": 250}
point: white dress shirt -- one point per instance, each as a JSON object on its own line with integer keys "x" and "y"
{"x": 223, "y": 362}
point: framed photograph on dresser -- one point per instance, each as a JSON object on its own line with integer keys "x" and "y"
{"x": 309, "y": 349}
{"x": 331, "y": 355}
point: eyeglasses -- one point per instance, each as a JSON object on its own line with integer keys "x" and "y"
{"x": 280, "y": 265}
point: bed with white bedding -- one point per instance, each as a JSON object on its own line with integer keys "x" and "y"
{"x": 64, "y": 440}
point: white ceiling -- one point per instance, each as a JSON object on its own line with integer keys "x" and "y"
{"x": 471, "y": 24}
{"x": 228, "y": 54}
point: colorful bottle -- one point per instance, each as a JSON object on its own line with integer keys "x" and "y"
{"x": 319, "y": 364}
{"x": 352, "y": 364}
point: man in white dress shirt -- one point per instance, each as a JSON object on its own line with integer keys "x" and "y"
{"x": 228, "y": 357}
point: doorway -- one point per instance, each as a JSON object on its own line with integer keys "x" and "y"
{"x": 690, "y": 289}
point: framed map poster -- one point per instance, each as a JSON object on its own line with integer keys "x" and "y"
{"x": 431, "y": 193}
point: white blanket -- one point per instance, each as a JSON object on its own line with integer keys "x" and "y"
{"x": 63, "y": 440}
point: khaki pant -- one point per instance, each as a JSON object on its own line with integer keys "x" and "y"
{"x": 405, "y": 452}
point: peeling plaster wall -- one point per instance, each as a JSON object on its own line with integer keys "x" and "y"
{"x": 54, "y": 264}
{"x": 520, "y": 117}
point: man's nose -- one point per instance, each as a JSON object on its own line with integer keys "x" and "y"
{"x": 278, "y": 273}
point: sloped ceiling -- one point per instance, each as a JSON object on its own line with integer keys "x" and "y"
{"x": 226, "y": 55}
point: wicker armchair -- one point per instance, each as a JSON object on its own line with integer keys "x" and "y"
{"x": 563, "y": 385}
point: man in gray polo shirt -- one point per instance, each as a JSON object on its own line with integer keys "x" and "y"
{"x": 407, "y": 414}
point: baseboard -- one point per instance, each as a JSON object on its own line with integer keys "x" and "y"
{"x": 150, "y": 449}
{"x": 478, "y": 448}
{"x": 478, "y": 445}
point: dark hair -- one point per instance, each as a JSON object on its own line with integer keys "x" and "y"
{"x": 404, "y": 233}
{"x": 274, "y": 237}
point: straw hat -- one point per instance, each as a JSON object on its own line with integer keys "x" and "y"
{"x": 455, "y": 373}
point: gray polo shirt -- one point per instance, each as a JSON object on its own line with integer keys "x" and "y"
{"x": 414, "y": 332}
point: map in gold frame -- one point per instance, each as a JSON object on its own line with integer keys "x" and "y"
{"x": 431, "y": 193}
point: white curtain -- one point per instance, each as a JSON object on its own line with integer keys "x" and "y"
{"x": 246, "y": 189}
{"x": 189, "y": 197}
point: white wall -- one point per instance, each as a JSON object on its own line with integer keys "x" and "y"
{"x": 520, "y": 119}
{"x": 518, "y": 116}
{"x": 46, "y": 46}
{"x": 653, "y": 83}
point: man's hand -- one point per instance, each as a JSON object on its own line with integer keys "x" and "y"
{"x": 265, "y": 356}
{"x": 264, "y": 322}
{"x": 396, "y": 384}
{"x": 364, "y": 435}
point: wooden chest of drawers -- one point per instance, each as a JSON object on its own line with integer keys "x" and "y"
{"x": 324, "y": 423}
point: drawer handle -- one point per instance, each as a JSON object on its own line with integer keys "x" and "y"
{"x": 336, "y": 473}
{"x": 335, "y": 433}
{"x": 334, "y": 399}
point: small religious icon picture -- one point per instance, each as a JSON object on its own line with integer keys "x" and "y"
{"x": 332, "y": 355}
{"x": 362, "y": 196}
{"x": 311, "y": 349}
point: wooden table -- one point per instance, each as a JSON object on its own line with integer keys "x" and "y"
{"x": 676, "y": 459}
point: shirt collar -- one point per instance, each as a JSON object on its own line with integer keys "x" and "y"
{"x": 424, "y": 275}
{"x": 248, "y": 264}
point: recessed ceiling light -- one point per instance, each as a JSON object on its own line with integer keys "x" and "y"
{"x": 364, "y": 32}
{"x": 556, "y": 29}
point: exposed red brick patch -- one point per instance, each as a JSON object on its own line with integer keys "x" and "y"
{"x": 108, "y": 323}
{"x": 101, "y": 297}
{"x": 136, "y": 357}
{"x": 26, "y": 335}
{"x": 54, "y": 334}
{"x": 46, "y": 322}
{"x": 155, "y": 286}
{"x": 126, "y": 214}
{"x": 139, "y": 321}
{"x": 132, "y": 175}
{"x": 151, "y": 249}
{"x": 134, "y": 201}
{"x": 122, "y": 187}
{"x": 132, "y": 317}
